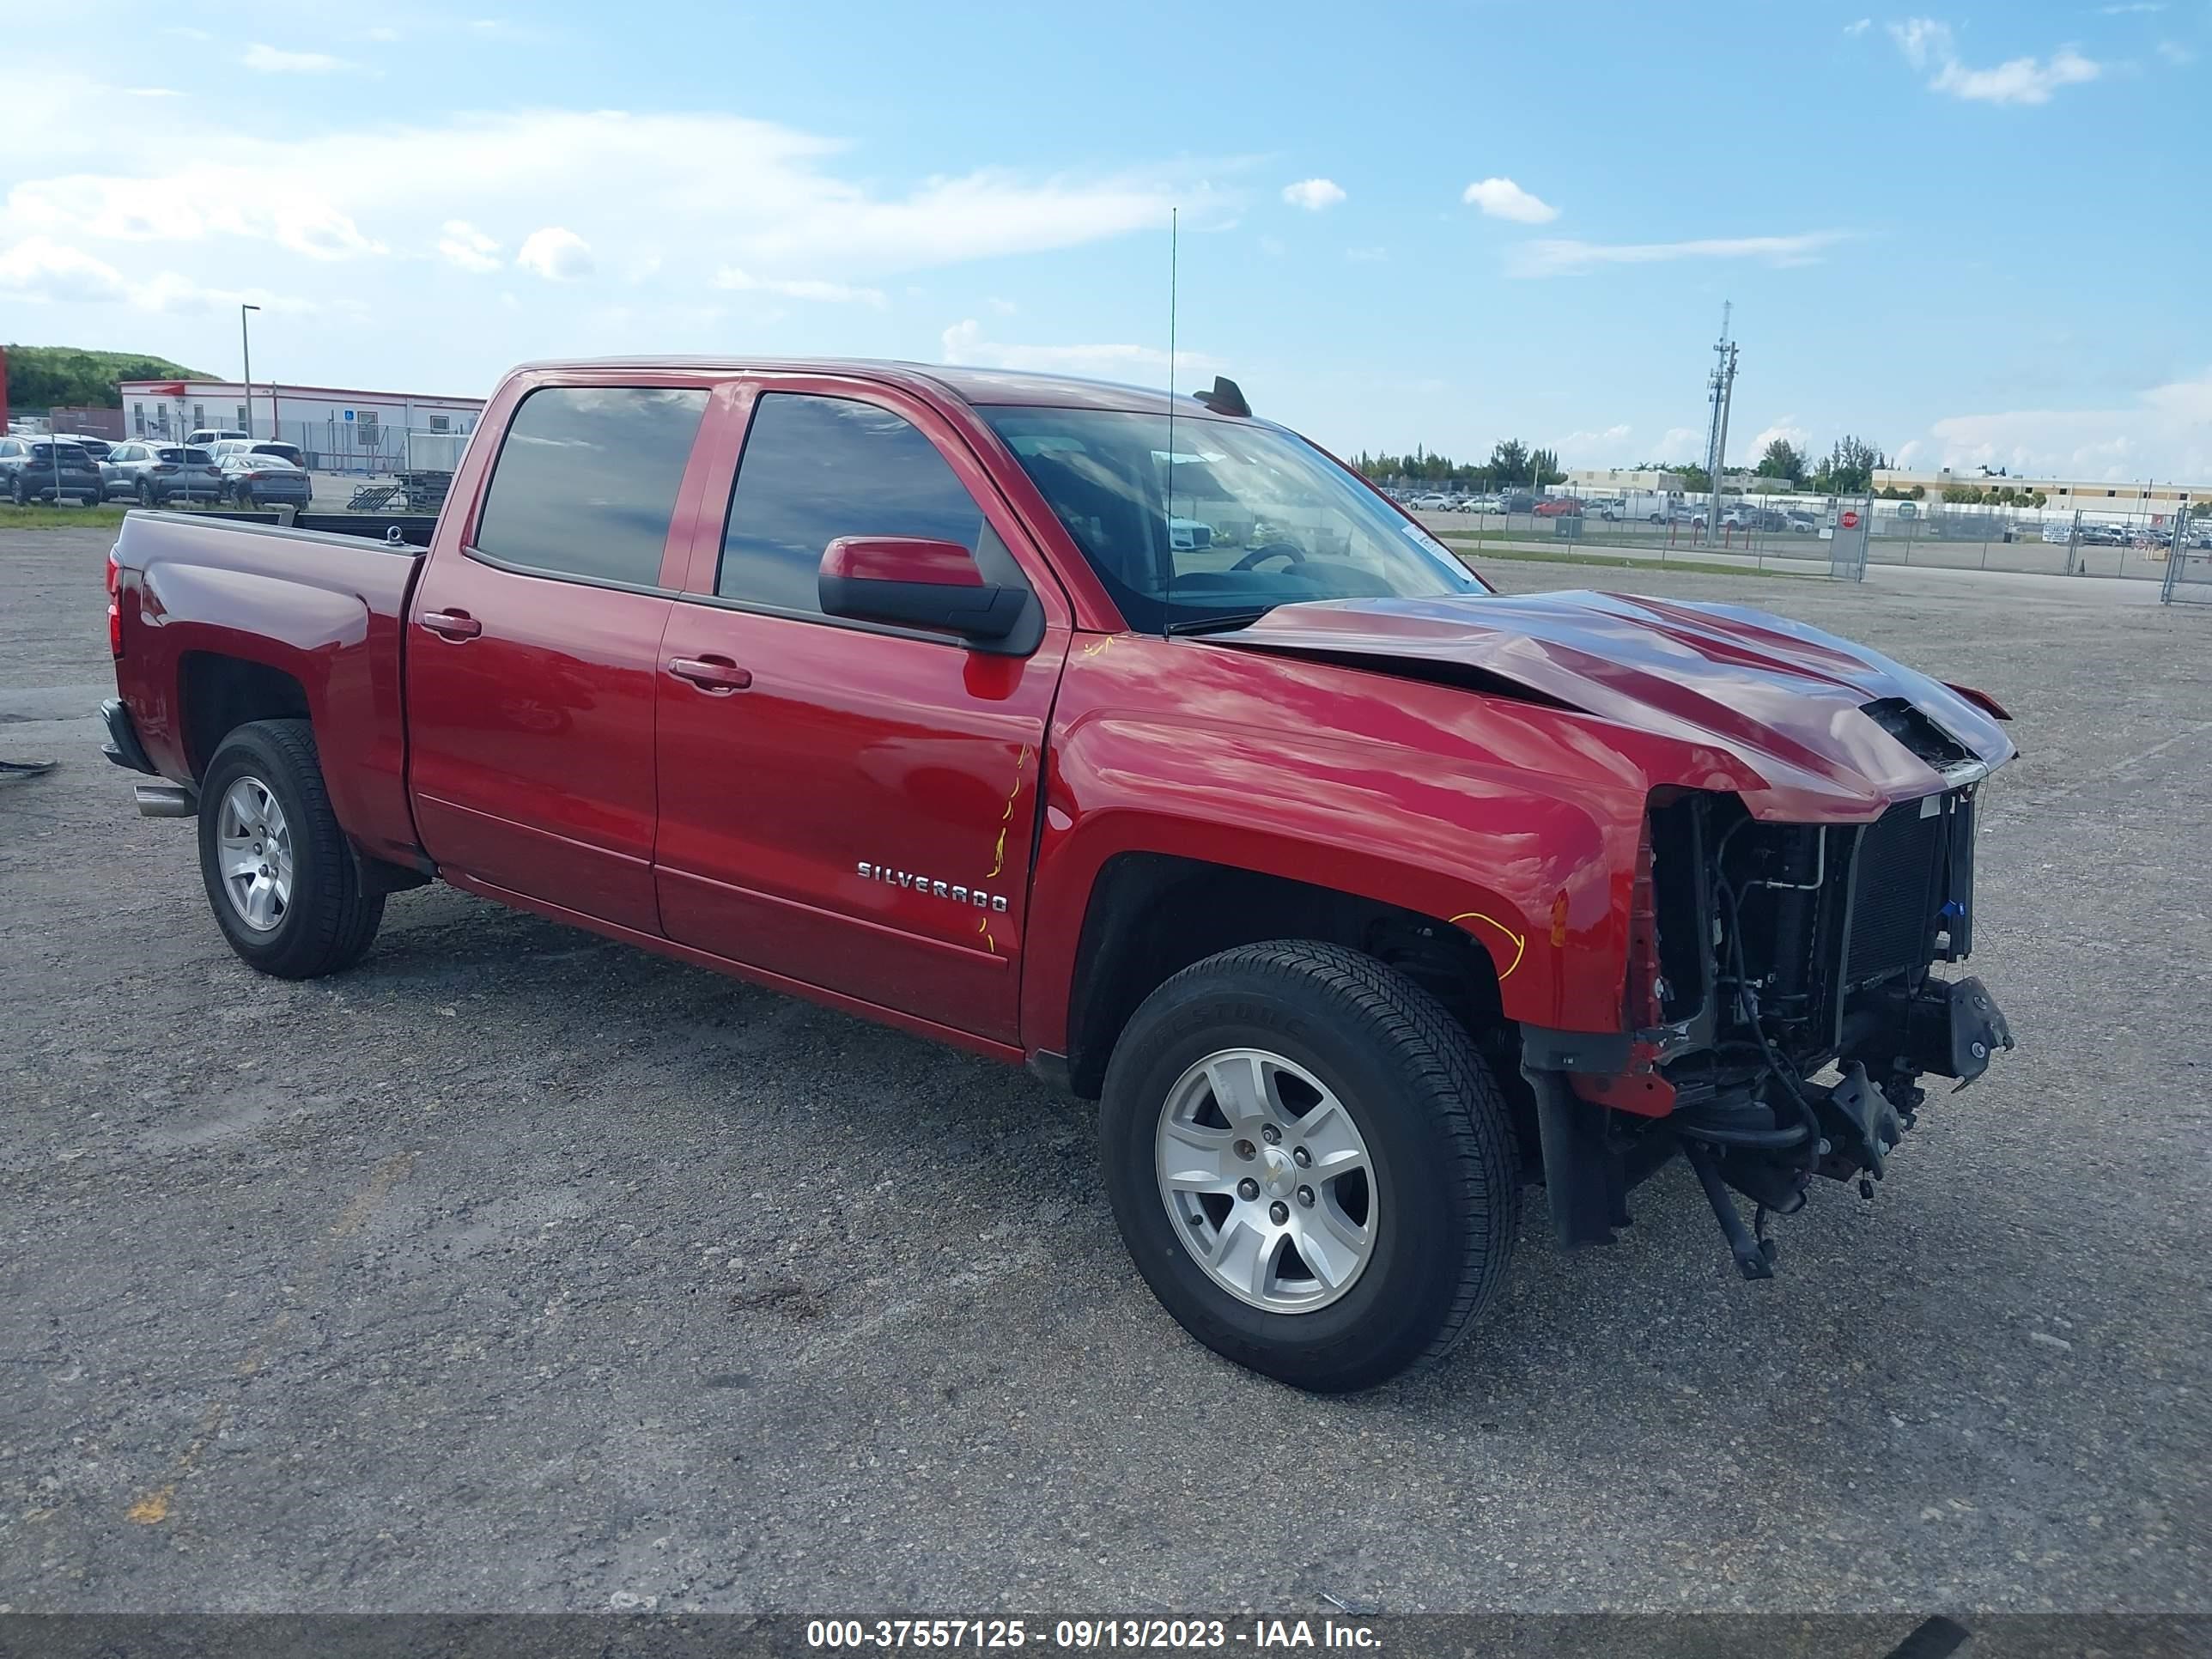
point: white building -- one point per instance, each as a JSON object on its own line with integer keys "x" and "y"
{"x": 341, "y": 428}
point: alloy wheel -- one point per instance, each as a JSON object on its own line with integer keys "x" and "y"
{"x": 253, "y": 847}
{"x": 1267, "y": 1181}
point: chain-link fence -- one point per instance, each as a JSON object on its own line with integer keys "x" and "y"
{"x": 2188, "y": 577}
{"x": 1797, "y": 530}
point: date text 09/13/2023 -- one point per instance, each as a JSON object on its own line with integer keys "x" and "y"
{"x": 1090, "y": 1634}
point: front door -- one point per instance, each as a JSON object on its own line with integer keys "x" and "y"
{"x": 850, "y": 806}
{"x": 533, "y": 654}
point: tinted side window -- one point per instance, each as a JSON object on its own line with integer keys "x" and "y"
{"x": 815, "y": 469}
{"x": 586, "y": 481}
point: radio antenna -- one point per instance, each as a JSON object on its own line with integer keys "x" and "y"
{"x": 1167, "y": 602}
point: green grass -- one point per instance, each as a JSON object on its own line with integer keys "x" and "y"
{"x": 1476, "y": 555}
{"x": 36, "y": 515}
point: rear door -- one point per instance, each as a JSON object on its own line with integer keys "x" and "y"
{"x": 533, "y": 650}
{"x": 859, "y": 816}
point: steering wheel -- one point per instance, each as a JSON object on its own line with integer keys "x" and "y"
{"x": 1290, "y": 550}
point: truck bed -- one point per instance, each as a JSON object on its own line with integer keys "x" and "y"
{"x": 209, "y": 602}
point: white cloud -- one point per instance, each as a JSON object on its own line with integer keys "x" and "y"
{"x": 1548, "y": 256}
{"x": 171, "y": 292}
{"x": 753, "y": 193}
{"x": 744, "y": 282}
{"x": 2177, "y": 54}
{"x": 270, "y": 60}
{"x": 463, "y": 245}
{"x": 1859, "y": 27}
{"x": 557, "y": 254}
{"x": 1373, "y": 255}
{"x": 1682, "y": 443}
{"x": 1785, "y": 427}
{"x": 2020, "y": 81}
{"x": 1501, "y": 199}
{"x": 1596, "y": 444}
{"x": 1313, "y": 194}
{"x": 1004, "y": 307}
{"x": 965, "y": 343}
{"x": 1922, "y": 39}
{"x": 151, "y": 92}
{"x": 2166, "y": 432}
{"x": 1927, "y": 44}
{"x": 40, "y": 269}
{"x": 2137, "y": 6}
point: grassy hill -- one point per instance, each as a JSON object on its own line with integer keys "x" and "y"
{"x": 40, "y": 377}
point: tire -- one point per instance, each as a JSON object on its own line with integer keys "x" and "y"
{"x": 326, "y": 917}
{"x": 15, "y": 490}
{"x": 146, "y": 494}
{"x": 1438, "y": 1207}
{"x": 246, "y": 499}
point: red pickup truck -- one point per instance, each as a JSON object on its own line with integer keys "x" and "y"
{"x": 1134, "y": 739}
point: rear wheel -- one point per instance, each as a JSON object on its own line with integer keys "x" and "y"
{"x": 285, "y": 886}
{"x": 145, "y": 493}
{"x": 1310, "y": 1163}
{"x": 15, "y": 490}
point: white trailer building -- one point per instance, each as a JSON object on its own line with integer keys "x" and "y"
{"x": 342, "y": 428}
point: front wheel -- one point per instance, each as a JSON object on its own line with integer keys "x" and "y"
{"x": 285, "y": 886}
{"x": 1310, "y": 1164}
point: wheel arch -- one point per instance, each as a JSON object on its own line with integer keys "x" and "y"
{"x": 1151, "y": 914}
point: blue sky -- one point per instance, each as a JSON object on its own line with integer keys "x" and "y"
{"x": 1966, "y": 235}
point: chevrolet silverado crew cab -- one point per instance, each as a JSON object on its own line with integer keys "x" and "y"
{"x": 1359, "y": 895}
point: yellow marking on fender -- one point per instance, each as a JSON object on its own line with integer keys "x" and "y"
{"x": 1098, "y": 646}
{"x": 998, "y": 852}
{"x": 1520, "y": 943}
{"x": 989, "y": 944}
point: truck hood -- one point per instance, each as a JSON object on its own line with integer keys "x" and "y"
{"x": 1824, "y": 728}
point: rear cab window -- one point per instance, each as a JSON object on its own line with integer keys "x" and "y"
{"x": 585, "y": 483}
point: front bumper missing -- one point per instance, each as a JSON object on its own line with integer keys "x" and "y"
{"x": 1766, "y": 1145}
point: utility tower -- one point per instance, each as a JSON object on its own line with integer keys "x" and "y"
{"x": 1720, "y": 391}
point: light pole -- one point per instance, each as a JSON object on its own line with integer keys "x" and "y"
{"x": 245, "y": 350}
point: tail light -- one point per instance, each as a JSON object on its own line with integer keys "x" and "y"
{"x": 165, "y": 467}
{"x": 1641, "y": 1003}
{"x": 114, "y": 606}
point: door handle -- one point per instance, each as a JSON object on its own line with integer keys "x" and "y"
{"x": 456, "y": 625}
{"x": 716, "y": 674}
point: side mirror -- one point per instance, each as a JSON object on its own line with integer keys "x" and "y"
{"x": 913, "y": 582}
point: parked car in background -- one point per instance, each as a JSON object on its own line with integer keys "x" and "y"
{"x": 154, "y": 474}
{"x": 95, "y": 446}
{"x": 252, "y": 480}
{"x": 1559, "y": 507}
{"x": 207, "y": 435}
{"x": 1801, "y": 522}
{"x": 42, "y": 470}
{"x": 291, "y": 453}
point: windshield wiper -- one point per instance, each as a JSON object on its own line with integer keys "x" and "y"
{"x": 1217, "y": 624}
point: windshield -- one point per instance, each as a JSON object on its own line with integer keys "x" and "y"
{"x": 1241, "y": 518}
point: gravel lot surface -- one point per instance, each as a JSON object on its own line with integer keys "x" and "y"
{"x": 518, "y": 1270}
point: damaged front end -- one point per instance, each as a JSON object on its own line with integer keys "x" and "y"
{"x": 1782, "y": 1007}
